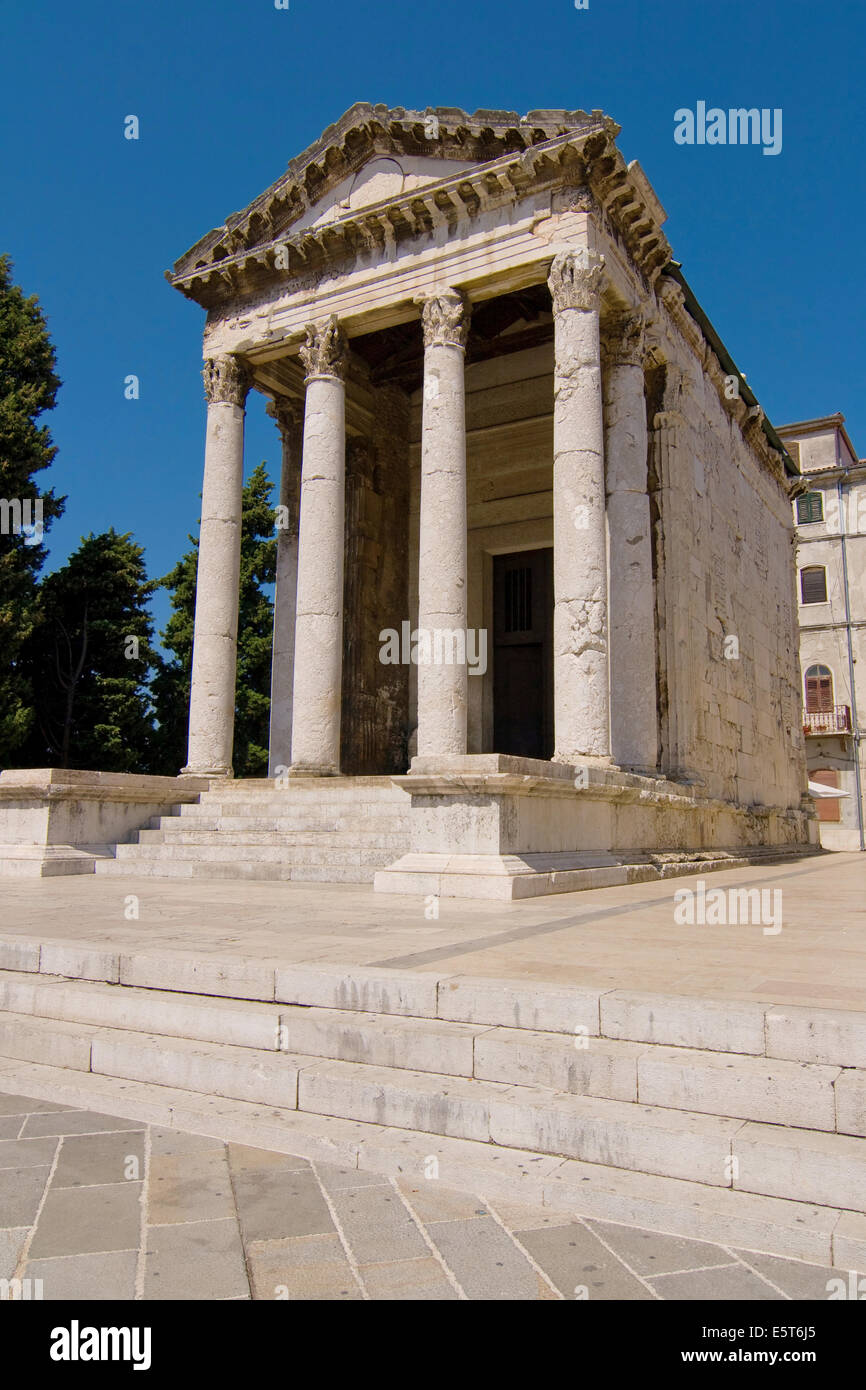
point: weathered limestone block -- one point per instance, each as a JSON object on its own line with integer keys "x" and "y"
{"x": 59, "y": 821}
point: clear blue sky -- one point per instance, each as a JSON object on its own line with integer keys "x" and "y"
{"x": 227, "y": 91}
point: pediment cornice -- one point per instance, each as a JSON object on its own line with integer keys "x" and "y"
{"x": 507, "y": 158}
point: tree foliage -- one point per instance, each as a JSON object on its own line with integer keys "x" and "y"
{"x": 89, "y": 657}
{"x": 28, "y": 387}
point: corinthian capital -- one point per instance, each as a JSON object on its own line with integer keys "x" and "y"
{"x": 287, "y": 413}
{"x": 227, "y": 380}
{"x": 575, "y": 280}
{"x": 445, "y": 319}
{"x": 324, "y": 352}
{"x": 625, "y": 345}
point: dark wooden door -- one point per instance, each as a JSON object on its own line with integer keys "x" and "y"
{"x": 523, "y": 654}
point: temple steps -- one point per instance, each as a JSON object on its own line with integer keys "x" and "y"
{"x": 337, "y": 830}
{"x": 610, "y": 1122}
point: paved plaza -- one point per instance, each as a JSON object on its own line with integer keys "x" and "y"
{"x": 98, "y": 1207}
{"x": 610, "y": 938}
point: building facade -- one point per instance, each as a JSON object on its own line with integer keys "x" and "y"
{"x": 535, "y": 532}
{"x": 830, "y": 515}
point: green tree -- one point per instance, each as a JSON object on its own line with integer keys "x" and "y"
{"x": 89, "y": 658}
{"x": 170, "y": 684}
{"x": 28, "y": 387}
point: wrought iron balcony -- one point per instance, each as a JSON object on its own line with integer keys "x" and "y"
{"x": 831, "y": 721}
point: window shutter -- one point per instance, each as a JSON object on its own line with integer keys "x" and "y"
{"x": 829, "y": 809}
{"x": 813, "y": 585}
{"x": 810, "y": 508}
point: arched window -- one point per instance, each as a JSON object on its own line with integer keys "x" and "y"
{"x": 813, "y": 584}
{"x": 819, "y": 690}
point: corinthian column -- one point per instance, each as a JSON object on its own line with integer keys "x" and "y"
{"x": 633, "y": 717}
{"x": 442, "y": 556}
{"x": 318, "y": 659}
{"x": 214, "y": 654}
{"x": 580, "y": 674}
{"x": 290, "y": 424}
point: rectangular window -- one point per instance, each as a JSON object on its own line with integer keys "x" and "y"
{"x": 828, "y": 807}
{"x": 810, "y": 508}
{"x": 813, "y": 584}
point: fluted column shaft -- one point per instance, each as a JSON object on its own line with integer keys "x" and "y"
{"x": 580, "y": 654}
{"x": 318, "y": 654}
{"x": 290, "y": 423}
{"x": 214, "y": 657}
{"x": 442, "y": 558}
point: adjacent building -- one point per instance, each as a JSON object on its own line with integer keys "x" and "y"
{"x": 830, "y": 516}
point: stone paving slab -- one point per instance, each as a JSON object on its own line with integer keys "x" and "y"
{"x": 171, "y": 1215}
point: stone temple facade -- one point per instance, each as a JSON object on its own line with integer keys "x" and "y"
{"x": 535, "y": 605}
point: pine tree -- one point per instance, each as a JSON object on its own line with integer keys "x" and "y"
{"x": 89, "y": 660}
{"x": 170, "y": 684}
{"x": 28, "y": 387}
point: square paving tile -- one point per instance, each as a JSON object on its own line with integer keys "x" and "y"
{"x": 649, "y": 1252}
{"x": 76, "y": 1122}
{"x": 200, "y": 1260}
{"x": 189, "y": 1187}
{"x": 27, "y": 1105}
{"x": 336, "y": 1178}
{"x": 797, "y": 1280}
{"x": 377, "y": 1225}
{"x": 302, "y": 1267}
{"x": 731, "y": 1283}
{"x": 486, "y": 1262}
{"x": 21, "y": 1192}
{"x": 575, "y": 1260}
{"x": 11, "y": 1245}
{"x": 27, "y": 1153}
{"x": 432, "y": 1202}
{"x": 87, "y": 1220}
{"x": 87, "y": 1159}
{"x": 274, "y": 1203}
{"x": 10, "y": 1126}
{"x": 176, "y": 1141}
{"x": 405, "y": 1280}
{"x": 86, "y": 1277}
{"x": 242, "y": 1159}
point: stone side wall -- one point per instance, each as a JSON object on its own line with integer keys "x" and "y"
{"x": 730, "y": 715}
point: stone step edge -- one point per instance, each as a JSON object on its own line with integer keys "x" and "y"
{"x": 835, "y": 1037}
{"x": 82, "y": 1040}
{"x": 670, "y": 1206}
{"x": 273, "y": 1014}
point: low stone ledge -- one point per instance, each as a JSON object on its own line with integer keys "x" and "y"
{"x": 60, "y": 821}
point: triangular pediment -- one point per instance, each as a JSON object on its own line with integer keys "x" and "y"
{"x": 384, "y": 178}
{"x": 377, "y": 154}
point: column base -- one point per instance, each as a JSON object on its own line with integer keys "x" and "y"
{"x": 190, "y": 771}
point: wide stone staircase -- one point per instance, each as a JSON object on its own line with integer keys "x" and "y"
{"x": 335, "y": 830}
{"x": 733, "y": 1121}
